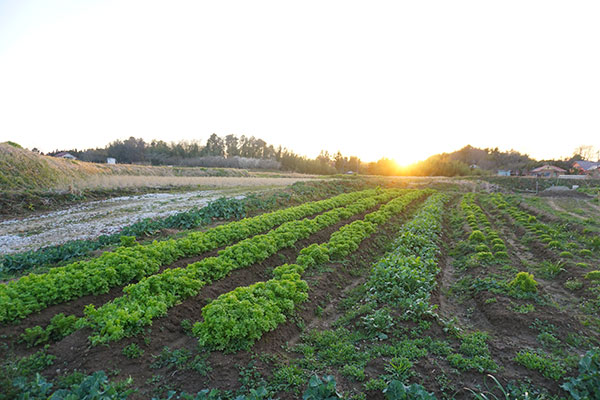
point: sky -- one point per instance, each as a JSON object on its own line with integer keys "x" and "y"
{"x": 396, "y": 79}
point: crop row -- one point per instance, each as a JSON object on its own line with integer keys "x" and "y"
{"x": 406, "y": 276}
{"x": 220, "y": 209}
{"x": 153, "y": 296}
{"x": 223, "y": 208}
{"x": 35, "y": 292}
{"x": 551, "y": 236}
{"x": 488, "y": 245}
{"x": 235, "y": 320}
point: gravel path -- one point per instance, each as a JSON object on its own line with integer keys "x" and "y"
{"x": 90, "y": 220}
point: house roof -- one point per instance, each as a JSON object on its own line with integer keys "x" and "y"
{"x": 548, "y": 168}
{"x": 586, "y": 165}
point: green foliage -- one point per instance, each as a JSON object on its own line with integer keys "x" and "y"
{"x": 484, "y": 256}
{"x": 523, "y": 283}
{"x": 93, "y": 387}
{"x": 587, "y": 384}
{"x": 523, "y": 308}
{"x": 399, "y": 368}
{"x": 375, "y": 384}
{"x": 16, "y": 374}
{"x": 152, "y": 296}
{"x": 551, "y": 269}
{"x": 593, "y": 276}
{"x": 377, "y": 322}
{"x": 237, "y": 319}
{"x": 573, "y": 284}
{"x": 321, "y": 389}
{"x": 554, "y": 244}
{"x": 313, "y": 255}
{"x": 127, "y": 241}
{"x": 586, "y": 253}
{"x": 474, "y": 354}
{"x": 396, "y": 390}
{"x": 406, "y": 275}
{"x": 354, "y": 371}
{"x": 222, "y": 208}
{"x": 132, "y": 351}
{"x": 477, "y": 237}
{"x": 181, "y": 359}
{"x": 547, "y": 366}
{"x": 482, "y": 248}
{"x": 288, "y": 376}
{"x": 35, "y": 292}
{"x": 566, "y": 254}
{"x": 59, "y": 327}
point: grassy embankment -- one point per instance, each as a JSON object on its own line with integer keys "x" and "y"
{"x": 29, "y": 181}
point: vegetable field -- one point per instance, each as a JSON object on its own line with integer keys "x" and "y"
{"x": 351, "y": 291}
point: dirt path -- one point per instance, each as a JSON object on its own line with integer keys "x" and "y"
{"x": 554, "y": 206}
{"x": 90, "y": 220}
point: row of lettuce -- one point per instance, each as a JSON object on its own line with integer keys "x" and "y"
{"x": 485, "y": 243}
{"x": 35, "y": 292}
{"x": 235, "y": 320}
{"x": 219, "y": 209}
{"x": 566, "y": 243}
{"x": 223, "y": 208}
{"x": 153, "y": 296}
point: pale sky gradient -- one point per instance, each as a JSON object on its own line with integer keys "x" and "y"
{"x": 401, "y": 79}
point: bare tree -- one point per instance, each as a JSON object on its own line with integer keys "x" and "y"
{"x": 585, "y": 152}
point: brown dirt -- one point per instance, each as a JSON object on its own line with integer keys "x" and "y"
{"x": 509, "y": 331}
{"x": 74, "y": 351}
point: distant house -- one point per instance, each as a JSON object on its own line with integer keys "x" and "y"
{"x": 64, "y": 154}
{"x": 547, "y": 171}
{"x": 110, "y": 160}
{"x": 504, "y": 172}
{"x": 587, "y": 167}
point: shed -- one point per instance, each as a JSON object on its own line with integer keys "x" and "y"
{"x": 64, "y": 154}
{"x": 547, "y": 171}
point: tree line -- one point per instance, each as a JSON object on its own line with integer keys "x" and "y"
{"x": 253, "y": 153}
{"x": 229, "y": 151}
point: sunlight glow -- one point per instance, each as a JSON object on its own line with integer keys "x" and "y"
{"x": 389, "y": 79}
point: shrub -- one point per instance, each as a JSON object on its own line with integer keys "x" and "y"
{"x": 585, "y": 253}
{"x": 566, "y": 254}
{"x": 501, "y": 255}
{"x": 524, "y": 282}
{"x": 477, "y": 236}
{"x": 499, "y": 247}
{"x": 554, "y": 244}
{"x": 482, "y": 247}
{"x": 485, "y": 256}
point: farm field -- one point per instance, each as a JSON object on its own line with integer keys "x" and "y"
{"x": 354, "y": 289}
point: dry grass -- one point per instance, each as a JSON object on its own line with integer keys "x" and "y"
{"x": 130, "y": 181}
{"x": 22, "y": 169}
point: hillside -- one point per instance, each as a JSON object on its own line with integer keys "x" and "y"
{"x": 22, "y": 169}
